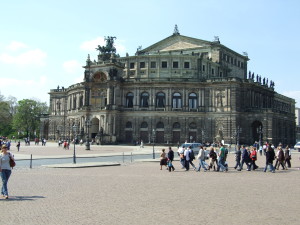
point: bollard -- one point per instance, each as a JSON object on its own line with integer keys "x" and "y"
{"x": 31, "y": 161}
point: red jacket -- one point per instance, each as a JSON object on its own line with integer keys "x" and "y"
{"x": 253, "y": 155}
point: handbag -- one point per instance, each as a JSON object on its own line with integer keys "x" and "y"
{"x": 12, "y": 162}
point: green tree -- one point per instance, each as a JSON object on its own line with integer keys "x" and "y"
{"x": 27, "y": 117}
{"x": 5, "y": 119}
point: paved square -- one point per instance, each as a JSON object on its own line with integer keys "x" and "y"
{"x": 140, "y": 193}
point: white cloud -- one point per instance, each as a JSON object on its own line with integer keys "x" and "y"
{"x": 72, "y": 67}
{"x": 15, "y": 45}
{"x": 93, "y": 44}
{"x": 31, "y": 57}
{"x": 26, "y": 88}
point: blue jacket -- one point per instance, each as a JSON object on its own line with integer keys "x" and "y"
{"x": 245, "y": 155}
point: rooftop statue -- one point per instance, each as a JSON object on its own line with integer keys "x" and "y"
{"x": 106, "y": 51}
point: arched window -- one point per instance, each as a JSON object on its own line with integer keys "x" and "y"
{"x": 193, "y": 125}
{"x": 176, "y": 125}
{"x": 176, "y": 101}
{"x": 160, "y": 100}
{"x": 128, "y": 124}
{"x": 129, "y": 100}
{"x": 144, "y": 125}
{"x": 192, "y": 101}
{"x": 160, "y": 125}
{"x": 144, "y": 100}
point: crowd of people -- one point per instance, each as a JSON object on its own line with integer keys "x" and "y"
{"x": 217, "y": 158}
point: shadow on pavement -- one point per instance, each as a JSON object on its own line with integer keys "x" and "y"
{"x": 22, "y": 198}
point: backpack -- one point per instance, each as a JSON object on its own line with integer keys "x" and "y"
{"x": 192, "y": 155}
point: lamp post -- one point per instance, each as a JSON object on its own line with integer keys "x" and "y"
{"x": 75, "y": 133}
{"x": 153, "y": 138}
{"x": 203, "y": 135}
{"x": 259, "y": 131}
{"x": 87, "y": 144}
{"x": 238, "y": 131}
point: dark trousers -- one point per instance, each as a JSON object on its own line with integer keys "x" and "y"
{"x": 171, "y": 167}
{"x": 237, "y": 164}
{"x": 278, "y": 163}
{"x": 288, "y": 162}
{"x": 187, "y": 164}
{"x": 254, "y": 166}
{"x": 191, "y": 162}
{"x": 247, "y": 163}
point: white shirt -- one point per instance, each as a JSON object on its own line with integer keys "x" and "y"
{"x": 187, "y": 155}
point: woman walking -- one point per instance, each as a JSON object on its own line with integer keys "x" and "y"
{"x": 163, "y": 158}
{"x": 253, "y": 156}
{"x": 287, "y": 156}
{"x": 5, "y": 170}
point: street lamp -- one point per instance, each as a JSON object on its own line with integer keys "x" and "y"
{"x": 203, "y": 135}
{"x": 87, "y": 144}
{"x": 75, "y": 133}
{"x": 153, "y": 138}
{"x": 259, "y": 131}
{"x": 238, "y": 131}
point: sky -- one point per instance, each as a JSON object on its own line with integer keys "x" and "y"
{"x": 44, "y": 44}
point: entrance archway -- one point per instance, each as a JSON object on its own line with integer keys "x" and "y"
{"x": 256, "y": 131}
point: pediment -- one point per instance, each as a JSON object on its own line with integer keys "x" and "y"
{"x": 175, "y": 43}
{"x": 180, "y": 45}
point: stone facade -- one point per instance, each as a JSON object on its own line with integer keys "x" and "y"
{"x": 177, "y": 89}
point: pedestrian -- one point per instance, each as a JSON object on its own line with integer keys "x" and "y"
{"x": 287, "y": 157}
{"x": 212, "y": 159}
{"x": 260, "y": 150}
{"x": 5, "y": 169}
{"x": 192, "y": 157}
{"x": 201, "y": 157}
{"x": 181, "y": 157}
{"x": 221, "y": 159}
{"x": 170, "y": 159}
{"x": 280, "y": 159}
{"x": 187, "y": 159}
{"x": 253, "y": 157}
{"x": 245, "y": 158}
{"x": 270, "y": 156}
{"x": 163, "y": 159}
{"x": 18, "y": 145}
{"x": 142, "y": 144}
{"x": 238, "y": 154}
{"x": 8, "y": 145}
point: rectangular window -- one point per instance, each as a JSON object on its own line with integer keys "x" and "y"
{"x": 186, "y": 65}
{"x": 175, "y": 65}
{"x": 131, "y": 65}
{"x": 213, "y": 71}
{"x": 153, "y": 65}
{"x": 164, "y": 64}
{"x": 239, "y": 63}
{"x": 242, "y": 65}
{"x": 142, "y": 65}
{"x": 203, "y": 67}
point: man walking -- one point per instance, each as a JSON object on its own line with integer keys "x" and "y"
{"x": 171, "y": 158}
